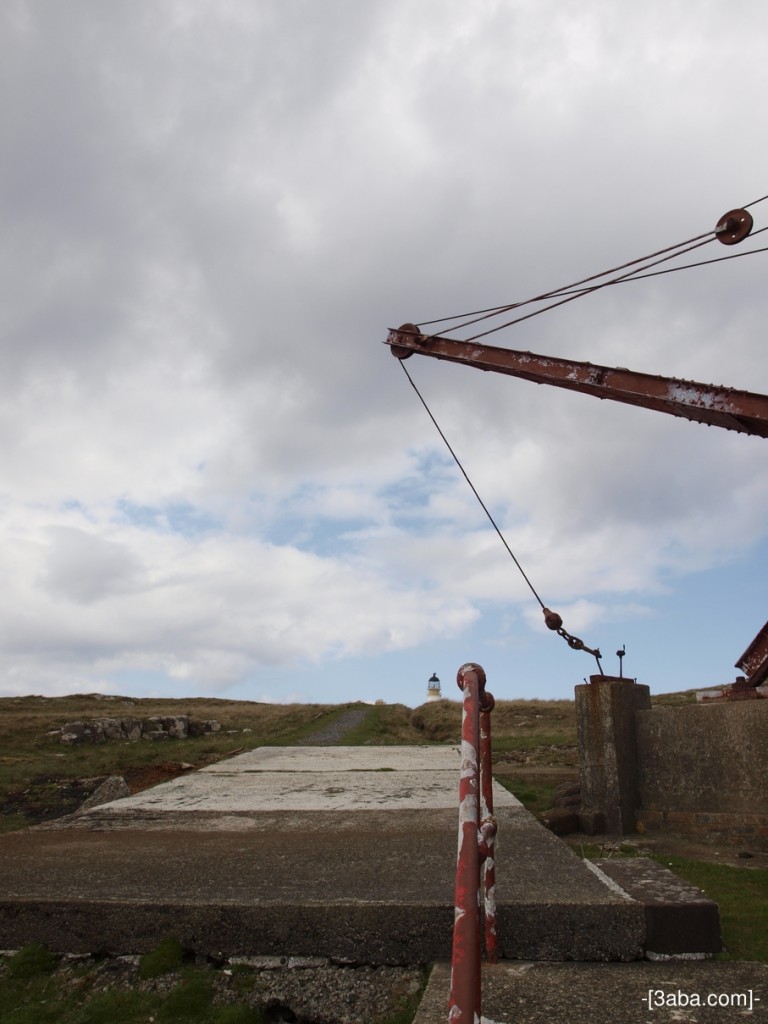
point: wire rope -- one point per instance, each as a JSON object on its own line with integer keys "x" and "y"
{"x": 573, "y": 290}
{"x": 471, "y": 485}
{"x": 552, "y": 620}
{"x": 579, "y": 294}
{"x": 484, "y": 314}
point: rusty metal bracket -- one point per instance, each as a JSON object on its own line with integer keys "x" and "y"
{"x": 754, "y": 661}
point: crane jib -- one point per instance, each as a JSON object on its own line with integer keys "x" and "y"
{"x": 715, "y": 405}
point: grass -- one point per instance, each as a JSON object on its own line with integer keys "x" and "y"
{"x": 34, "y": 764}
{"x": 741, "y": 894}
{"x": 384, "y": 725}
{"x": 37, "y": 987}
{"x": 48, "y": 998}
{"x": 167, "y": 957}
{"x": 535, "y": 796}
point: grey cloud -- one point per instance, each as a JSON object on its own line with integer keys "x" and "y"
{"x": 85, "y": 568}
{"x": 211, "y": 216}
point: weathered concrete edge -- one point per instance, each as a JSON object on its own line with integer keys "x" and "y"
{"x": 680, "y": 919}
{"x": 362, "y": 932}
{"x": 584, "y": 993}
{"x": 357, "y": 933}
{"x": 561, "y": 932}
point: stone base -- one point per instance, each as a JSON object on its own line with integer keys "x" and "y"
{"x": 749, "y": 831}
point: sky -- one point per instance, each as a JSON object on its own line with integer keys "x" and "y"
{"x": 214, "y": 477}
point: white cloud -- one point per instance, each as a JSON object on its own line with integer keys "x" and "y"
{"x": 211, "y": 216}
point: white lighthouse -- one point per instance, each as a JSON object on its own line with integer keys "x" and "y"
{"x": 433, "y": 688}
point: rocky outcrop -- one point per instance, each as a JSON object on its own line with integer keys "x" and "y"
{"x": 156, "y": 728}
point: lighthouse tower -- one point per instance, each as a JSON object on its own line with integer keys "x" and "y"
{"x": 433, "y": 688}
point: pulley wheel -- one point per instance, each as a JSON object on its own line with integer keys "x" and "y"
{"x": 733, "y": 227}
{"x": 397, "y": 350}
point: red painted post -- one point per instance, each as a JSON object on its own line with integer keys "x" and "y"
{"x": 488, "y": 828}
{"x": 464, "y": 1001}
{"x": 477, "y": 831}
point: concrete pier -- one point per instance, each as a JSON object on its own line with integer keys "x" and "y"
{"x": 345, "y": 852}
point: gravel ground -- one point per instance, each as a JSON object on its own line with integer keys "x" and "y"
{"x": 301, "y": 990}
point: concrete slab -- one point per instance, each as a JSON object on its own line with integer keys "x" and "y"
{"x": 349, "y": 791}
{"x": 312, "y": 779}
{"x": 633, "y": 993}
{"x": 347, "y": 759}
{"x": 308, "y": 860}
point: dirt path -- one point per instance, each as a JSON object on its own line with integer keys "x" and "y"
{"x": 337, "y": 729}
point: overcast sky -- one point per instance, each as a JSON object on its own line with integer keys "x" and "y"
{"x": 215, "y": 479}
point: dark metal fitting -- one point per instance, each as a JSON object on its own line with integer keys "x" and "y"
{"x": 485, "y": 834}
{"x": 465, "y": 670}
{"x": 488, "y": 827}
{"x": 413, "y": 334}
{"x": 552, "y": 619}
{"x": 733, "y": 227}
{"x": 487, "y": 702}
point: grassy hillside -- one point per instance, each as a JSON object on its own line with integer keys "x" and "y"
{"x": 41, "y": 778}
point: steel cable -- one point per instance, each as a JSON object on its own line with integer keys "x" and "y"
{"x": 573, "y": 290}
{"x": 552, "y": 620}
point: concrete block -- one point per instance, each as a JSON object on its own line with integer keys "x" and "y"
{"x": 679, "y": 917}
{"x": 591, "y": 823}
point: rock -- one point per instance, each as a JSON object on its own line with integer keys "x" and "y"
{"x": 153, "y": 729}
{"x": 113, "y": 788}
{"x": 204, "y": 728}
{"x": 176, "y": 726}
{"x": 560, "y": 820}
{"x": 82, "y": 732}
{"x": 567, "y": 795}
{"x": 132, "y": 729}
{"x": 111, "y": 727}
{"x": 169, "y": 727}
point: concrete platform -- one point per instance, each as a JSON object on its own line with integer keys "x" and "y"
{"x": 633, "y": 993}
{"x": 341, "y": 852}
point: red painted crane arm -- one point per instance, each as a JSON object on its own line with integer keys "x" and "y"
{"x": 718, "y": 406}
